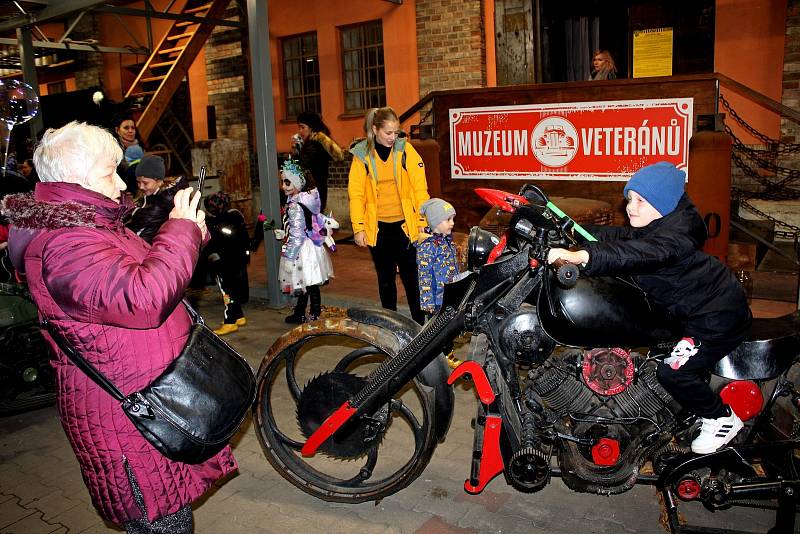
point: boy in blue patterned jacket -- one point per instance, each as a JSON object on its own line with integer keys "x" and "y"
{"x": 436, "y": 254}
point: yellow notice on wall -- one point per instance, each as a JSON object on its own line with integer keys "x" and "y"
{"x": 652, "y": 52}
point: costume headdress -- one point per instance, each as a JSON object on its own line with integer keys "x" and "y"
{"x": 292, "y": 171}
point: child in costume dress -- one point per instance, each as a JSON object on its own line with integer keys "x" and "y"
{"x": 305, "y": 264}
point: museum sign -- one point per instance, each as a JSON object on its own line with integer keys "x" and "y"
{"x": 573, "y": 141}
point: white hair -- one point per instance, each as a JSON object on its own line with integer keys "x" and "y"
{"x": 67, "y": 154}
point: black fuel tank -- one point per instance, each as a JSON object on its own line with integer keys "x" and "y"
{"x": 602, "y": 312}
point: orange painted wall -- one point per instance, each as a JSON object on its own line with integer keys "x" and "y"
{"x": 748, "y": 47}
{"x": 491, "y": 51}
{"x": 117, "y": 32}
{"x": 198, "y": 93}
{"x": 70, "y": 83}
{"x": 324, "y": 17}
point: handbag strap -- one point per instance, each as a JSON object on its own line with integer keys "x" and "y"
{"x": 90, "y": 370}
{"x": 82, "y": 364}
{"x": 196, "y": 317}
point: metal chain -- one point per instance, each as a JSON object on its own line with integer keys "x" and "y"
{"x": 777, "y": 186}
{"x": 774, "y": 145}
{"x": 782, "y": 179}
{"x": 427, "y": 114}
{"x": 772, "y": 190}
{"x": 758, "y": 156}
{"x": 791, "y": 234}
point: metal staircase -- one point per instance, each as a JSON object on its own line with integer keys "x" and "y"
{"x": 177, "y": 140}
{"x": 167, "y": 66}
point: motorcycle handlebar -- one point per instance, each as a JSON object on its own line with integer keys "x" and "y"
{"x": 567, "y": 273}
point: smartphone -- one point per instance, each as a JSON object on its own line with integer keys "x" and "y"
{"x": 201, "y": 179}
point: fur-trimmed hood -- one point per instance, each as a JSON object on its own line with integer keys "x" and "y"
{"x": 330, "y": 146}
{"x": 55, "y": 205}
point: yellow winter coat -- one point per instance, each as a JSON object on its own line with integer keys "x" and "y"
{"x": 362, "y": 187}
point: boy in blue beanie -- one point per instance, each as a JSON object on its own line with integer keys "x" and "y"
{"x": 661, "y": 251}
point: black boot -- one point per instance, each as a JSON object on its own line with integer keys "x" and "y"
{"x": 315, "y": 309}
{"x": 295, "y": 319}
{"x": 299, "y": 314}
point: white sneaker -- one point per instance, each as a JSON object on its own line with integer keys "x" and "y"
{"x": 716, "y": 433}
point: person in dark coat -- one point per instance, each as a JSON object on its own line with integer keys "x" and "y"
{"x": 662, "y": 252}
{"x": 117, "y": 301}
{"x": 317, "y": 150}
{"x": 154, "y": 201}
{"x": 228, "y": 254}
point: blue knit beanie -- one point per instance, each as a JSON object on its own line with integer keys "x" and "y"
{"x": 661, "y": 184}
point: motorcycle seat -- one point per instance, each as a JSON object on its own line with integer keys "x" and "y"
{"x": 772, "y": 345}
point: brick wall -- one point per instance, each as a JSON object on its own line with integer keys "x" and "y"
{"x": 89, "y": 74}
{"x": 451, "y": 49}
{"x": 228, "y": 80}
{"x": 790, "y": 131}
{"x": 338, "y": 172}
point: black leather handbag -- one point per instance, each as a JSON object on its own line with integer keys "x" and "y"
{"x": 190, "y": 411}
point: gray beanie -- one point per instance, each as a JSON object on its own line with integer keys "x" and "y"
{"x": 151, "y": 167}
{"x": 436, "y": 210}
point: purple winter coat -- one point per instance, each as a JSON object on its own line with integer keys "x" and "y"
{"x": 116, "y": 299}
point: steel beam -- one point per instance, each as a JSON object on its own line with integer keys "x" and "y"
{"x": 76, "y": 46}
{"x": 36, "y": 124}
{"x": 55, "y": 9}
{"x": 168, "y": 16}
{"x": 264, "y": 121}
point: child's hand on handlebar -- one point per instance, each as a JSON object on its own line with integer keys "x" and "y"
{"x": 576, "y": 257}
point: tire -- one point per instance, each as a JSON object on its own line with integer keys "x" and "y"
{"x": 400, "y": 452}
{"x": 26, "y": 377}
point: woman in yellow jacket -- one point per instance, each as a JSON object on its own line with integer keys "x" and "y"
{"x": 387, "y": 186}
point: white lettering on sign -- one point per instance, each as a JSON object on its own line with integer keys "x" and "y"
{"x": 493, "y": 143}
{"x": 629, "y": 141}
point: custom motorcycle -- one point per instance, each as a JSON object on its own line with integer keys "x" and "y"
{"x": 351, "y": 408}
{"x": 26, "y": 377}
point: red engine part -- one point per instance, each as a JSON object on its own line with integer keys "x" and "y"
{"x": 688, "y": 489}
{"x": 607, "y": 371}
{"x": 744, "y": 397}
{"x": 605, "y": 451}
{"x": 505, "y": 201}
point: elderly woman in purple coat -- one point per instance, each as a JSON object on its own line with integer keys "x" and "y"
{"x": 117, "y": 300}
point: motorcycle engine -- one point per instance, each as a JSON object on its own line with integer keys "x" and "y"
{"x": 614, "y": 414}
{"x": 523, "y": 339}
{"x": 608, "y": 371}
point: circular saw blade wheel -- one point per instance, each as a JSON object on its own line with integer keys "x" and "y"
{"x": 322, "y": 396}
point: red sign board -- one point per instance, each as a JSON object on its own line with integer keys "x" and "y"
{"x": 576, "y": 141}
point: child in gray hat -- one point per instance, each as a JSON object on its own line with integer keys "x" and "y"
{"x": 437, "y": 261}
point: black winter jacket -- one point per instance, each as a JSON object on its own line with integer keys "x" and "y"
{"x": 665, "y": 259}
{"x": 152, "y": 211}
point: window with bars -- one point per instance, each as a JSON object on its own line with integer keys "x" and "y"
{"x": 301, "y": 74}
{"x": 362, "y": 59}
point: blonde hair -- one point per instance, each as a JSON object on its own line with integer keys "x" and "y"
{"x": 67, "y": 154}
{"x": 605, "y": 55}
{"x": 377, "y": 117}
